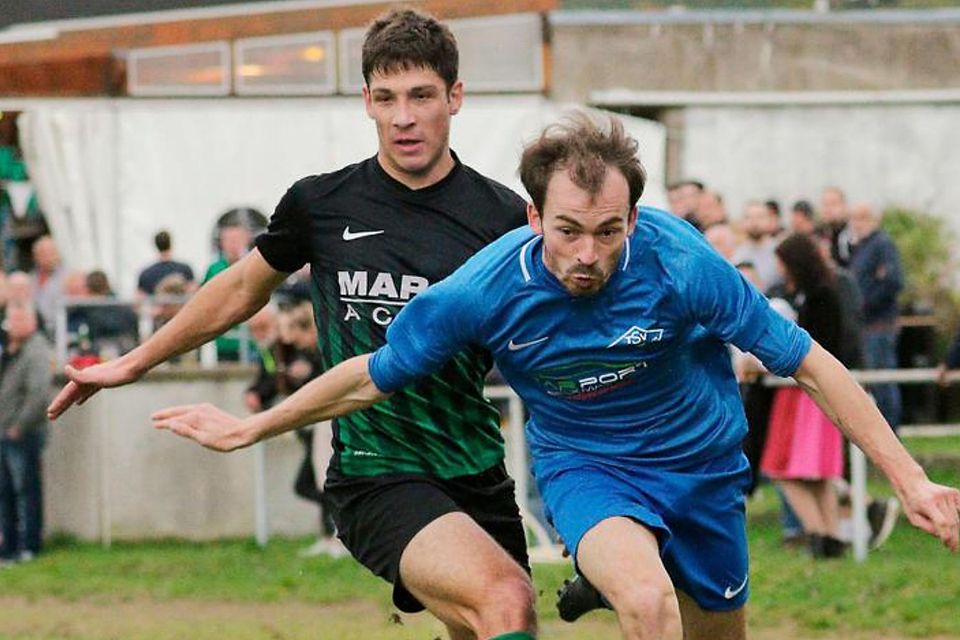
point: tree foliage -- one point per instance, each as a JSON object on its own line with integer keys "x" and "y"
{"x": 928, "y": 253}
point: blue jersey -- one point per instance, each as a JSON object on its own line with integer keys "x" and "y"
{"x": 638, "y": 372}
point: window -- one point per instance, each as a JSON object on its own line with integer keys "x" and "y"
{"x": 188, "y": 70}
{"x": 296, "y": 64}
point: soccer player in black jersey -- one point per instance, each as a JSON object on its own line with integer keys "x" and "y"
{"x": 418, "y": 483}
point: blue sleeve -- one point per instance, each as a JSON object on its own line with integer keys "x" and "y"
{"x": 726, "y": 304}
{"x": 781, "y": 345}
{"x": 433, "y": 327}
{"x": 388, "y": 371}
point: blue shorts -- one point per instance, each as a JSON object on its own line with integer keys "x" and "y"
{"x": 697, "y": 513}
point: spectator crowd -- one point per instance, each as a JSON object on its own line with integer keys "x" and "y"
{"x": 838, "y": 277}
{"x": 79, "y": 312}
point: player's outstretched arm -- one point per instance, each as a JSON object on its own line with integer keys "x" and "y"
{"x": 929, "y": 506}
{"x": 231, "y": 297}
{"x": 343, "y": 389}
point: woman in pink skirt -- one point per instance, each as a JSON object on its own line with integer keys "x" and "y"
{"x": 804, "y": 450}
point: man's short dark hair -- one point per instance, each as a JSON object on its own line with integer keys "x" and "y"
{"x": 585, "y": 151}
{"x": 406, "y": 39}
{"x": 98, "y": 284}
{"x": 162, "y": 240}
{"x": 804, "y": 208}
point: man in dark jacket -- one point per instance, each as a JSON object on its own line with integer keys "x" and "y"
{"x": 25, "y": 375}
{"x": 834, "y": 218}
{"x": 875, "y": 263}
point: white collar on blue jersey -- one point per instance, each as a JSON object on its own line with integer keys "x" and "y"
{"x": 526, "y": 256}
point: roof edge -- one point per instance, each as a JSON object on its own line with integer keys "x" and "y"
{"x": 178, "y": 15}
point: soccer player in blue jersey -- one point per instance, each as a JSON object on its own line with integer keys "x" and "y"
{"x": 611, "y": 324}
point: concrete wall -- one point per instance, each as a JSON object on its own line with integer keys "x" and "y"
{"x": 780, "y": 104}
{"x": 750, "y": 53}
{"x": 108, "y": 474}
{"x": 905, "y": 155}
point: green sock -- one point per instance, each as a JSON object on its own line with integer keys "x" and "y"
{"x": 514, "y": 635}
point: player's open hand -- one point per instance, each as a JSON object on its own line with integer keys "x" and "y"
{"x": 86, "y": 382}
{"x": 205, "y": 424}
{"x": 935, "y": 509}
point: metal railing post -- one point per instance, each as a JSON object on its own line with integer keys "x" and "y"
{"x": 261, "y": 524}
{"x": 858, "y": 503}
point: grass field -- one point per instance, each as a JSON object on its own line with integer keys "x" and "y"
{"x": 231, "y": 589}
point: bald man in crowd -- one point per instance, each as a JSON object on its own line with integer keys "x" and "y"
{"x": 47, "y": 275}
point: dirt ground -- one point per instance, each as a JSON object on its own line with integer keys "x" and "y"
{"x": 115, "y": 618}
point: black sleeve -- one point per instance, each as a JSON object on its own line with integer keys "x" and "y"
{"x": 284, "y": 243}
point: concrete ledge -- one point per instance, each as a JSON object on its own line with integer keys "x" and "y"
{"x": 631, "y": 98}
{"x": 167, "y": 373}
{"x": 109, "y": 475}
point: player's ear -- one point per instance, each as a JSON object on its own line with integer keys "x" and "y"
{"x": 456, "y": 97}
{"x": 632, "y": 219}
{"x": 367, "y": 102}
{"x": 534, "y": 219}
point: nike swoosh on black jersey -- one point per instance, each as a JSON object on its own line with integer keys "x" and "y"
{"x": 356, "y": 235}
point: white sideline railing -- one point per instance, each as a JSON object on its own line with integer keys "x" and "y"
{"x": 879, "y": 376}
{"x": 858, "y": 461}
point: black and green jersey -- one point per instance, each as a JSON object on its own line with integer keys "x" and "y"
{"x": 372, "y": 244}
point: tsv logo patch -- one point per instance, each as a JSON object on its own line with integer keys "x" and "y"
{"x": 635, "y": 336}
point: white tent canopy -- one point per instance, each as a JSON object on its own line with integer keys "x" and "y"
{"x": 110, "y": 173}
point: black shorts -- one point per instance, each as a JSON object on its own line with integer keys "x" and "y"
{"x": 377, "y": 516}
